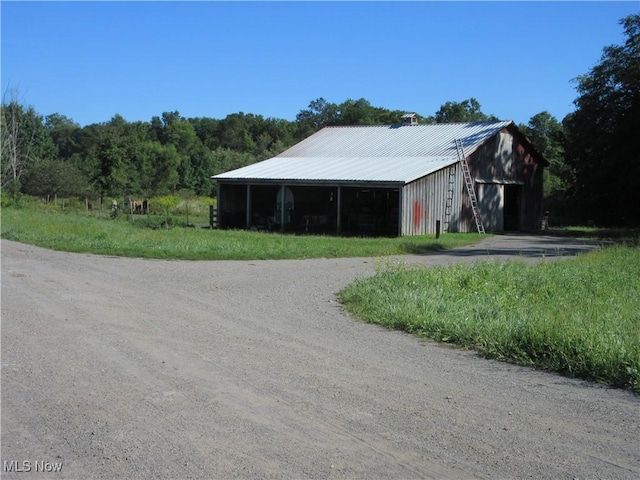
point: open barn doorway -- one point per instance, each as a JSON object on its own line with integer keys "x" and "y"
{"x": 370, "y": 211}
{"x": 512, "y": 202}
{"x": 500, "y": 206}
{"x": 293, "y": 208}
{"x": 311, "y": 209}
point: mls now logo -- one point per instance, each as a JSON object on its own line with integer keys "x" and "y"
{"x": 13, "y": 466}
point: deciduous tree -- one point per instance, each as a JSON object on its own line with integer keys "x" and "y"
{"x": 602, "y": 133}
{"x": 62, "y": 131}
{"x": 23, "y": 140}
{"x": 465, "y": 111}
{"x": 55, "y": 177}
{"x": 547, "y": 135}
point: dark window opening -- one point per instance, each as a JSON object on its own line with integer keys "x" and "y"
{"x": 512, "y": 207}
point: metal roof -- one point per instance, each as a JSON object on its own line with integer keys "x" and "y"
{"x": 371, "y": 153}
{"x": 339, "y": 169}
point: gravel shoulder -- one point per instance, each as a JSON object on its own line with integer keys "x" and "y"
{"x": 132, "y": 368}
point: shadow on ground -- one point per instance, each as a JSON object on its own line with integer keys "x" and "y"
{"x": 515, "y": 245}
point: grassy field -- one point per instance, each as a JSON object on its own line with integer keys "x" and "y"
{"x": 146, "y": 236}
{"x": 579, "y": 317}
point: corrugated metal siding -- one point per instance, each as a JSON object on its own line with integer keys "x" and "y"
{"x": 424, "y": 202}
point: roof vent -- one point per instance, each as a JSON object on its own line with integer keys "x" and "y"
{"x": 409, "y": 119}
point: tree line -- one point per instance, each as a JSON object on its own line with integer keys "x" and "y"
{"x": 593, "y": 171}
{"x": 53, "y": 155}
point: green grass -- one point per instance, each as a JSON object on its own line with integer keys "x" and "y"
{"x": 579, "y": 317}
{"x": 76, "y": 231}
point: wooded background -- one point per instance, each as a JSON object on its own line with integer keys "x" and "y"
{"x": 593, "y": 173}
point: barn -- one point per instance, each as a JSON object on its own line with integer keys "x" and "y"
{"x": 406, "y": 179}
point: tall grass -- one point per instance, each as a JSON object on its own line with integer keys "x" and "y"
{"x": 580, "y": 317}
{"x": 146, "y": 237}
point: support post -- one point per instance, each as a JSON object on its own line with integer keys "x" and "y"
{"x": 218, "y": 212}
{"x": 437, "y": 228}
{"x": 339, "y": 210}
{"x": 248, "y": 216}
{"x": 282, "y": 206}
{"x": 400, "y": 210}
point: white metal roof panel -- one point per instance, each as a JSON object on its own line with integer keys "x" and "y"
{"x": 316, "y": 169}
{"x": 371, "y": 153}
{"x": 395, "y": 141}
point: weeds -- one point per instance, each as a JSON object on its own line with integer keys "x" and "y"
{"x": 580, "y": 317}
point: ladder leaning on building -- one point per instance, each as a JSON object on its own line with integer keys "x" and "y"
{"x": 468, "y": 181}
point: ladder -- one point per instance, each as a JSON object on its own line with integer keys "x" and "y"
{"x": 471, "y": 191}
{"x": 449, "y": 203}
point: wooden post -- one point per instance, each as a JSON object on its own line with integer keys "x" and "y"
{"x": 339, "y": 210}
{"x": 437, "y": 228}
{"x": 400, "y": 211}
{"x": 218, "y": 212}
{"x": 248, "y": 212}
{"x": 282, "y": 206}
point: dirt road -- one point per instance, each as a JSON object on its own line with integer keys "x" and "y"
{"x": 130, "y": 368}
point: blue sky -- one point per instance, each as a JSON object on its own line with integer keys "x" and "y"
{"x": 91, "y": 60}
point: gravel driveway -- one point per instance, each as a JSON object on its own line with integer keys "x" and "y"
{"x": 131, "y": 368}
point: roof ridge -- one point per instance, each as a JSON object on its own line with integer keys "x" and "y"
{"x": 398, "y": 125}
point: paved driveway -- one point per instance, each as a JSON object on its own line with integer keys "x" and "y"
{"x": 131, "y": 368}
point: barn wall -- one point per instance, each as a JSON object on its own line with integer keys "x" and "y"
{"x": 500, "y": 162}
{"x": 424, "y": 202}
{"x": 508, "y": 180}
{"x": 532, "y": 194}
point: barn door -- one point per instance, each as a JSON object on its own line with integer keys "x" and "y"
{"x": 491, "y": 206}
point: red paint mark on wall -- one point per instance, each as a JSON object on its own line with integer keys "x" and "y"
{"x": 417, "y": 215}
